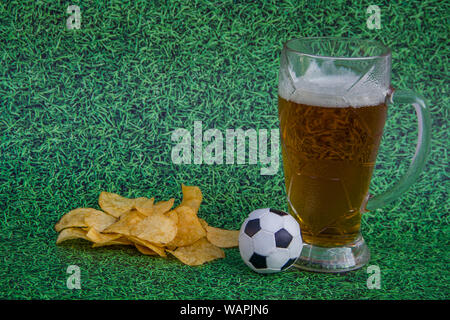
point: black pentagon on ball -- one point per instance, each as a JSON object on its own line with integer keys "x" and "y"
{"x": 288, "y": 263}
{"x": 258, "y": 261}
{"x": 282, "y": 238}
{"x": 278, "y": 212}
{"x": 252, "y": 227}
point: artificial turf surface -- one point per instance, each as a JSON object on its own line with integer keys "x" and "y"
{"x": 93, "y": 109}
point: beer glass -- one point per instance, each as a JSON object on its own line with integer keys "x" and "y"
{"x": 333, "y": 96}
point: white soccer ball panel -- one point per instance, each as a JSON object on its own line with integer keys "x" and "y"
{"x": 291, "y": 225}
{"x": 263, "y": 242}
{"x": 295, "y": 247}
{"x": 278, "y": 258}
{"x": 271, "y": 222}
{"x": 268, "y": 270}
{"x": 245, "y": 246}
{"x": 258, "y": 213}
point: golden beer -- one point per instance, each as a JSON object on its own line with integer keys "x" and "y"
{"x": 328, "y": 157}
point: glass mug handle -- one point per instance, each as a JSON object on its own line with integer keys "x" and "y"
{"x": 419, "y": 158}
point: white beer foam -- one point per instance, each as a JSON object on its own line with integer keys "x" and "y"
{"x": 343, "y": 88}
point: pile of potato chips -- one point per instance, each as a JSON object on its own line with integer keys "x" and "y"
{"x": 153, "y": 228}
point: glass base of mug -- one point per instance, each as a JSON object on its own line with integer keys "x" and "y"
{"x": 345, "y": 258}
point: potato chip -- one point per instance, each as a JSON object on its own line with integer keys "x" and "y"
{"x": 145, "y": 250}
{"x": 172, "y": 214}
{"x": 222, "y": 238}
{"x": 203, "y": 223}
{"x": 153, "y": 228}
{"x": 155, "y": 248}
{"x": 189, "y": 228}
{"x": 98, "y": 220}
{"x": 125, "y": 223}
{"x": 114, "y": 204}
{"x": 71, "y": 233}
{"x": 144, "y": 205}
{"x": 163, "y": 206}
{"x": 75, "y": 218}
{"x": 198, "y": 253}
{"x": 157, "y": 228}
{"x": 192, "y": 197}
{"x": 120, "y": 241}
{"x": 97, "y": 237}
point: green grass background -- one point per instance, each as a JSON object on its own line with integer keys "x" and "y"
{"x": 93, "y": 109}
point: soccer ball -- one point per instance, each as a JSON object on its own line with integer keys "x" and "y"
{"x": 270, "y": 240}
